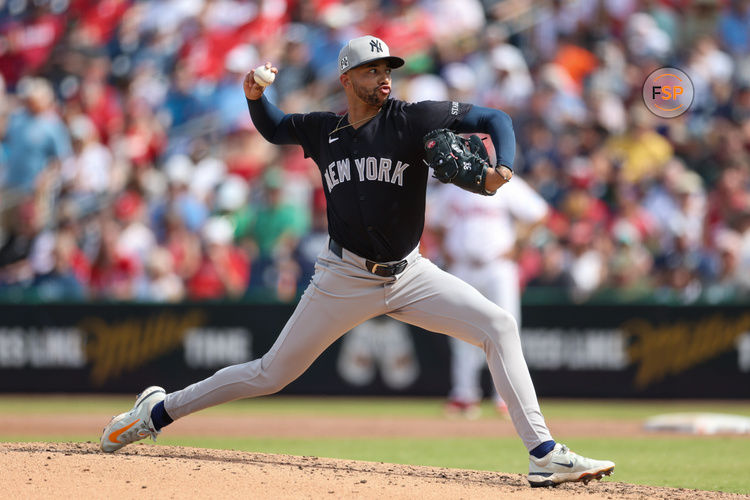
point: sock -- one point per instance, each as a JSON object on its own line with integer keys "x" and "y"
{"x": 541, "y": 450}
{"x": 159, "y": 416}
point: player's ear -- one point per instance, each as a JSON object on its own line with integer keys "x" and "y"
{"x": 345, "y": 81}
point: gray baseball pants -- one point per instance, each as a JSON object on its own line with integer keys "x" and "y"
{"x": 342, "y": 295}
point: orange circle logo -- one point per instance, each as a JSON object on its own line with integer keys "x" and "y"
{"x": 668, "y": 92}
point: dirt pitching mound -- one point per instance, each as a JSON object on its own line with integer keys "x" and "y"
{"x": 80, "y": 470}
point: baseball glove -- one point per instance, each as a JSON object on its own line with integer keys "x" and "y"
{"x": 463, "y": 162}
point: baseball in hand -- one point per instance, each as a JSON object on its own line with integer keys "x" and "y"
{"x": 264, "y": 76}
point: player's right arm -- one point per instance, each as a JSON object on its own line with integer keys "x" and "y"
{"x": 271, "y": 122}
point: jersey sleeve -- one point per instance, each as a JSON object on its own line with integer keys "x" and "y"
{"x": 309, "y": 129}
{"x": 426, "y": 116}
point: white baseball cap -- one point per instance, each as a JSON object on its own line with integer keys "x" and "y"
{"x": 218, "y": 230}
{"x": 363, "y": 50}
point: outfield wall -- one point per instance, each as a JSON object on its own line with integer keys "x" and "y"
{"x": 572, "y": 351}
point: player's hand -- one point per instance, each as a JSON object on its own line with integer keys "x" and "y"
{"x": 505, "y": 172}
{"x": 252, "y": 90}
{"x": 497, "y": 176}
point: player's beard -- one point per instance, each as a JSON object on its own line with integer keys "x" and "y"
{"x": 372, "y": 97}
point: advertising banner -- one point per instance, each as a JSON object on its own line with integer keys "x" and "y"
{"x": 572, "y": 351}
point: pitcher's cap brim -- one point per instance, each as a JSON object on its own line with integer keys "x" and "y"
{"x": 393, "y": 62}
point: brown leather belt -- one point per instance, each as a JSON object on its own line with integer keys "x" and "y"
{"x": 384, "y": 270}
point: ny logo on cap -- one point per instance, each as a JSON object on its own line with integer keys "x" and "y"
{"x": 344, "y": 63}
{"x": 375, "y": 46}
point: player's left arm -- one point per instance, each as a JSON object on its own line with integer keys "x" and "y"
{"x": 499, "y": 126}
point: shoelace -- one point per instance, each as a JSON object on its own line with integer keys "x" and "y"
{"x": 153, "y": 433}
{"x": 573, "y": 456}
{"x": 139, "y": 432}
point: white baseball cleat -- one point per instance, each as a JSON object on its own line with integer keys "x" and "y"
{"x": 135, "y": 424}
{"x": 562, "y": 466}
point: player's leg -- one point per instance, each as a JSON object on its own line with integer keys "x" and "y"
{"x": 333, "y": 304}
{"x": 315, "y": 324}
{"x": 434, "y": 300}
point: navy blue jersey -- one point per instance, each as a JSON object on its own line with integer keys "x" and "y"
{"x": 374, "y": 177}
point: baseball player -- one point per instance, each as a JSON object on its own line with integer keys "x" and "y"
{"x": 371, "y": 162}
{"x": 478, "y": 237}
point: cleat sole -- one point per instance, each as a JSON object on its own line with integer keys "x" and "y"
{"x": 590, "y": 476}
{"x": 584, "y": 478}
{"x": 543, "y": 484}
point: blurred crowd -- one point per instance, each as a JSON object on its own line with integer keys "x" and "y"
{"x": 130, "y": 170}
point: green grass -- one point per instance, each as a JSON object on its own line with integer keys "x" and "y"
{"x": 705, "y": 462}
{"x": 374, "y": 407}
{"x": 272, "y": 405}
{"x": 637, "y": 410}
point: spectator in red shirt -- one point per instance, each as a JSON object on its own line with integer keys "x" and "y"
{"x": 224, "y": 271}
{"x": 99, "y": 19}
{"x": 26, "y": 46}
{"x": 112, "y": 273}
{"x": 144, "y": 139}
{"x": 101, "y": 101}
{"x": 183, "y": 245}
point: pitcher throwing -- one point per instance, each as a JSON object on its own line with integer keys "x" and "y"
{"x": 371, "y": 160}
